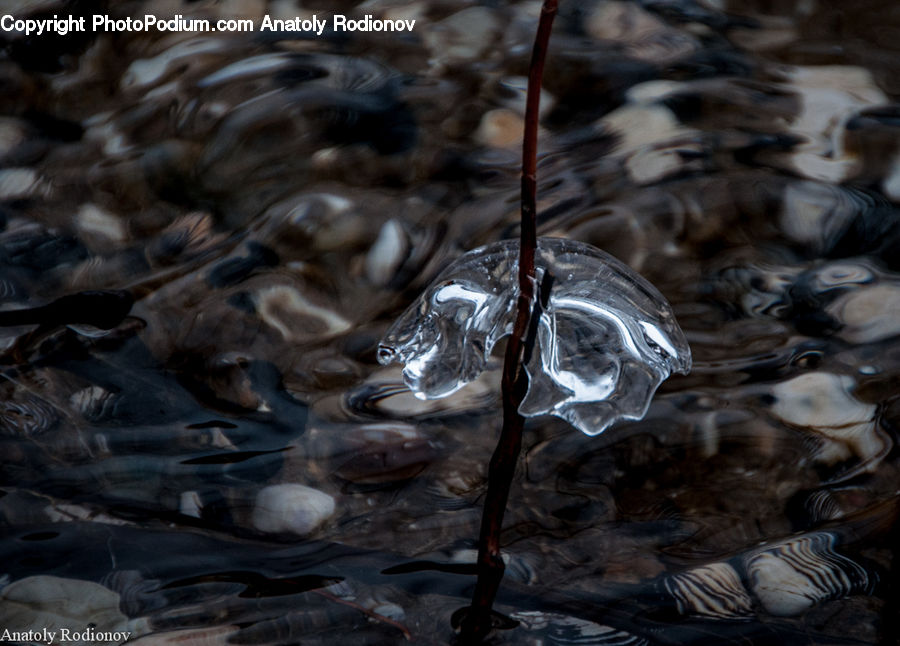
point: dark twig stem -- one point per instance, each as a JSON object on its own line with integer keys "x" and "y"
{"x": 477, "y": 622}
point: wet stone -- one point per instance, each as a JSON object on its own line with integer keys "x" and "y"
{"x": 291, "y": 508}
{"x": 823, "y": 403}
{"x": 790, "y": 578}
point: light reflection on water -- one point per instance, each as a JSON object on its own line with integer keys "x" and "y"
{"x": 273, "y": 203}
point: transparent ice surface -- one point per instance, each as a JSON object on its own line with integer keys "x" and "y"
{"x": 605, "y": 341}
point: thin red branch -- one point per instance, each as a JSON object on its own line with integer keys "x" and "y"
{"x": 369, "y": 613}
{"x": 477, "y": 622}
{"x": 529, "y": 154}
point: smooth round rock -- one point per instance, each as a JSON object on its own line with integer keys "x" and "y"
{"x": 293, "y": 508}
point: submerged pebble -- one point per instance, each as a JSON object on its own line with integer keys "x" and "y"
{"x": 830, "y": 96}
{"x": 869, "y": 314}
{"x": 296, "y": 316}
{"x": 52, "y": 603}
{"x": 500, "y": 128}
{"x": 462, "y": 36}
{"x": 387, "y": 253}
{"x": 369, "y": 454}
{"x": 27, "y": 416}
{"x": 639, "y": 32}
{"x": 784, "y": 579}
{"x": 790, "y": 578}
{"x": 563, "y": 630}
{"x": 823, "y": 403}
{"x": 291, "y": 508}
{"x": 20, "y": 183}
{"x": 713, "y": 590}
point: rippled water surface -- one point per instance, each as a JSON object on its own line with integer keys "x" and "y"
{"x": 229, "y": 464}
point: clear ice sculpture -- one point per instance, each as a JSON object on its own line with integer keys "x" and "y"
{"x": 605, "y": 340}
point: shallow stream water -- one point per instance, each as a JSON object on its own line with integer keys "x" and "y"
{"x": 229, "y": 464}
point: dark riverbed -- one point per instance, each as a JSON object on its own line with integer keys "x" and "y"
{"x": 230, "y": 465}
